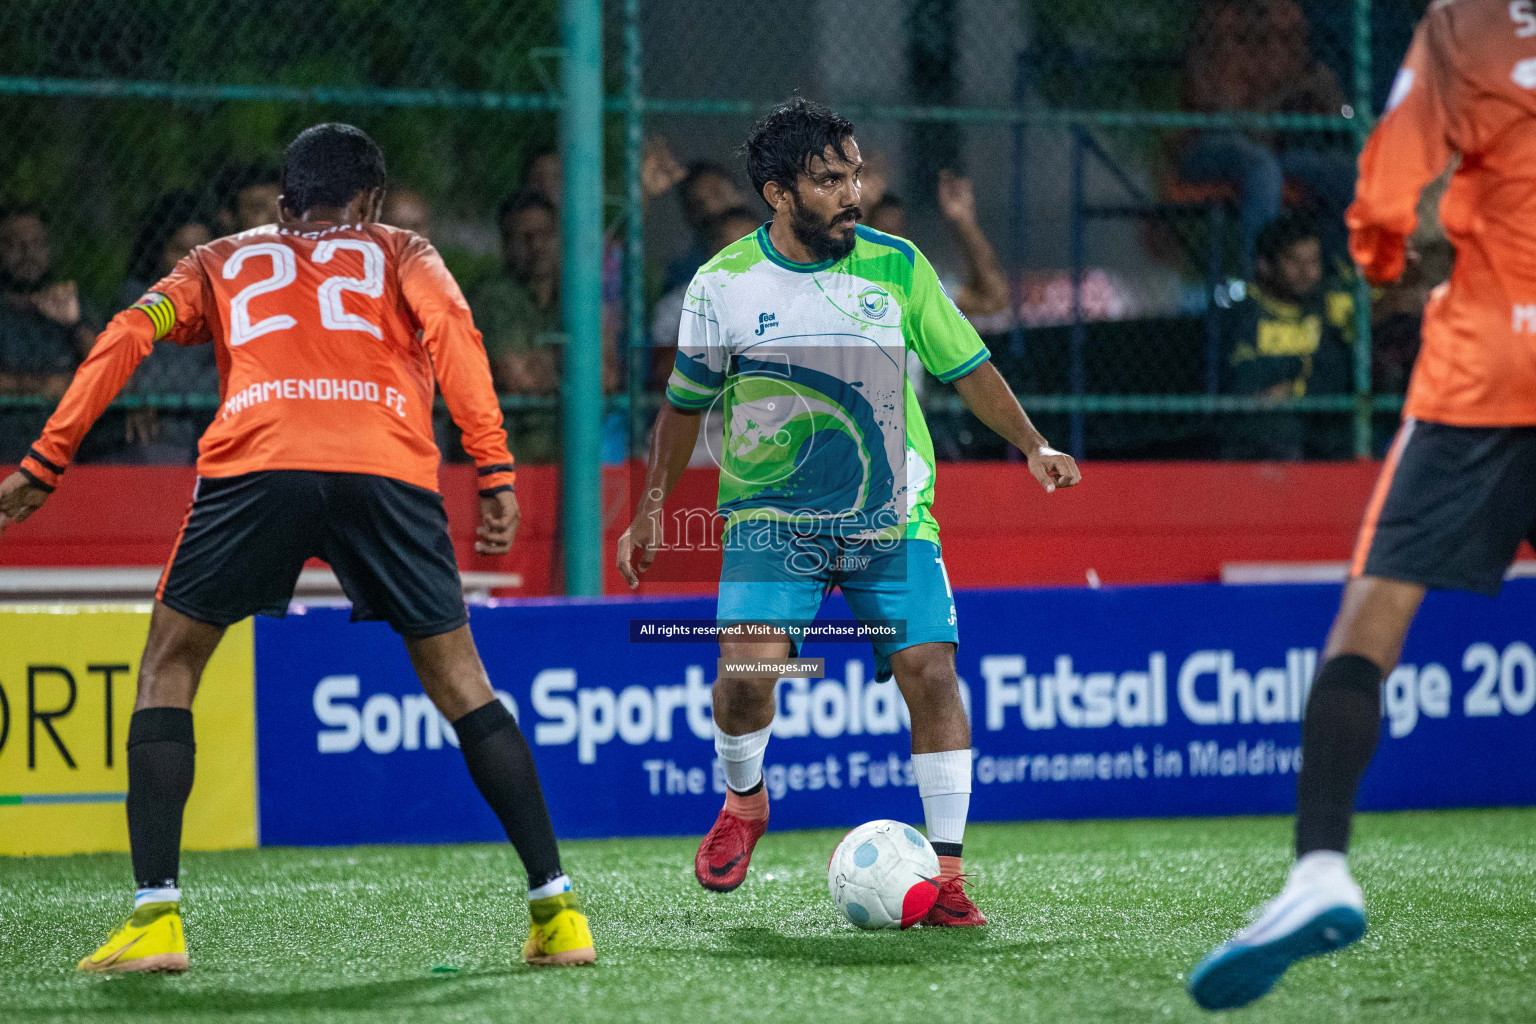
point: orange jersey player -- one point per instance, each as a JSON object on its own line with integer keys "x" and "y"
{"x": 328, "y": 337}
{"x": 1467, "y": 88}
{"x": 1458, "y": 492}
{"x": 330, "y": 329}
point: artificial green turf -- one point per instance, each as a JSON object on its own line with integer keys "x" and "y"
{"x": 1090, "y": 922}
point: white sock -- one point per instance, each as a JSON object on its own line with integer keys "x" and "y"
{"x": 1319, "y": 863}
{"x": 167, "y": 894}
{"x": 742, "y": 757}
{"x": 553, "y": 887}
{"x": 944, "y": 783}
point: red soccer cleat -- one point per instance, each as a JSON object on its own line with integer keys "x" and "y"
{"x": 953, "y": 908}
{"x": 723, "y": 857}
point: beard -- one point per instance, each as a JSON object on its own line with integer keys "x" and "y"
{"x": 816, "y": 234}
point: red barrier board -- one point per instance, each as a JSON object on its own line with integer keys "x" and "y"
{"x": 1143, "y": 522}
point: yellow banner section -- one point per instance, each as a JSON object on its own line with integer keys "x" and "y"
{"x": 67, "y": 681}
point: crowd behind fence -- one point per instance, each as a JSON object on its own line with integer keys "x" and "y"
{"x": 1138, "y": 203}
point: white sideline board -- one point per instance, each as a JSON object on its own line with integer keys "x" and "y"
{"x": 139, "y": 583}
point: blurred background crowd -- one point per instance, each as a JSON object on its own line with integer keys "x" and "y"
{"x": 1193, "y": 247}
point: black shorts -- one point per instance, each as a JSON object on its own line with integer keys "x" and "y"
{"x": 247, "y": 537}
{"x": 1451, "y": 507}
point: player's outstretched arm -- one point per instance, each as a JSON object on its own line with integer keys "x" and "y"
{"x": 117, "y": 353}
{"x": 672, "y": 441}
{"x": 987, "y": 395}
{"x": 464, "y": 376}
{"x": 1410, "y": 147}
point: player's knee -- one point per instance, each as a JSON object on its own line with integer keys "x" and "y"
{"x": 167, "y": 682}
{"x": 171, "y": 666}
{"x": 737, "y": 699}
{"x": 1373, "y": 620}
{"x": 930, "y": 681}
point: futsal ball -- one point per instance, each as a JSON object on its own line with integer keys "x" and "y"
{"x": 884, "y": 875}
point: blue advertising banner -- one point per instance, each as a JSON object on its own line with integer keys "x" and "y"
{"x": 1125, "y": 702}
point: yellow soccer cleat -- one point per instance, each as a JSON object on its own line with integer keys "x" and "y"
{"x": 560, "y": 936}
{"x": 150, "y": 940}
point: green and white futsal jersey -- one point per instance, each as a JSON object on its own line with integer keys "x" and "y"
{"x": 808, "y": 364}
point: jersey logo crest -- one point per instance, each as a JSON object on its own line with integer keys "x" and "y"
{"x": 874, "y": 302}
{"x": 765, "y": 321}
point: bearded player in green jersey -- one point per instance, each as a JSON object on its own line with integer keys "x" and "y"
{"x": 799, "y": 334}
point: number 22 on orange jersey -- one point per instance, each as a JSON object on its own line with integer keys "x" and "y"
{"x": 333, "y": 312}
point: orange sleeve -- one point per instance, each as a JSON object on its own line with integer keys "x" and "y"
{"x": 171, "y": 310}
{"x": 1409, "y": 148}
{"x": 116, "y": 354}
{"x": 458, "y": 359}
{"x": 175, "y": 304}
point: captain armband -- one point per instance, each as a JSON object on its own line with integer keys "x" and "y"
{"x": 160, "y": 310}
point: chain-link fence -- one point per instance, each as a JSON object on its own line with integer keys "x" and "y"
{"x": 1124, "y": 158}
{"x": 1109, "y": 188}
{"x": 137, "y": 128}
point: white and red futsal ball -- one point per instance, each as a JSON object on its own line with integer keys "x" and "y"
{"x": 884, "y": 875}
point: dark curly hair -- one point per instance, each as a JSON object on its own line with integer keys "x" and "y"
{"x": 782, "y": 144}
{"x": 328, "y": 165}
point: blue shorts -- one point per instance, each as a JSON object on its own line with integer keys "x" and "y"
{"x": 773, "y": 575}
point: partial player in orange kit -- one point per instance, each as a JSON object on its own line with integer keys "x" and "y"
{"x": 1458, "y": 492}
{"x": 330, "y": 331}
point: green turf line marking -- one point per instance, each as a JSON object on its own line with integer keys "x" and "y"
{"x": 35, "y": 799}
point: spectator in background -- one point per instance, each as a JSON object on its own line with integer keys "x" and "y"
{"x": 518, "y": 315}
{"x": 543, "y": 175}
{"x": 888, "y": 214}
{"x": 45, "y": 327}
{"x": 1255, "y": 56}
{"x": 247, "y": 195}
{"x": 984, "y": 290}
{"x": 727, "y": 226}
{"x": 1286, "y": 339}
{"x": 176, "y": 224}
{"x": 543, "y": 178}
{"x": 706, "y": 190}
{"x": 404, "y": 208}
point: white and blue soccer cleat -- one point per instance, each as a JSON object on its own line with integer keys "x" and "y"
{"x": 1319, "y": 910}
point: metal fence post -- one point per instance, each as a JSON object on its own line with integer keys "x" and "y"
{"x": 1217, "y": 219}
{"x": 581, "y": 292}
{"x": 1362, "y": 128}
{"x": 634, "y": 231}
{"x": 1078, "y": 370}
{"x": 1018, "y": 216}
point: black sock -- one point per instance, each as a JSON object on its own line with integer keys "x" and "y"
{"x": 1338, "y": 739}
{"x": 502, "y": 766}
{"x": 749, "y": 790}
{"x": 947, "y": 849}
{"x": 161, "y": 754}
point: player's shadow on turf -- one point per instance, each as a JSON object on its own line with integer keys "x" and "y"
{"x": 137, "y": 996}
{"x": 863, "y": 949}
